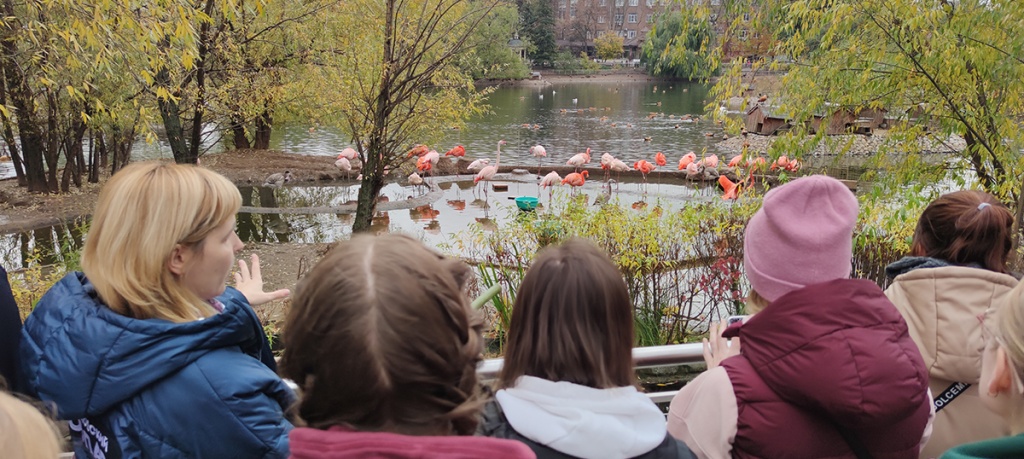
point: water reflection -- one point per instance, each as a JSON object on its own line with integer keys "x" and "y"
{"x": 47, "y": 245}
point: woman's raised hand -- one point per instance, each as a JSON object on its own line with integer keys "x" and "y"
{"x": 717, "y": 348}
{"x": 250, "y": 283}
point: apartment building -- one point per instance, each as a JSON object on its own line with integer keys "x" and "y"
{"x": 579, "y": 22}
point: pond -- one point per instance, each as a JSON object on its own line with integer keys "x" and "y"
{"x": 631, "y": 120}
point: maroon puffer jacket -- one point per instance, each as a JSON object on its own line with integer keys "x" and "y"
{"x": 832, "y": 354}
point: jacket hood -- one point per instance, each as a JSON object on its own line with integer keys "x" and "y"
{"x": 941, "y": 306}
{"x": 86, "y": 358}
{"x": 582, "y": 421}
{"x": 838, "y": 348}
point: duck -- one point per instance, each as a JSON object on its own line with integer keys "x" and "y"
{"x": 278, "y": 179}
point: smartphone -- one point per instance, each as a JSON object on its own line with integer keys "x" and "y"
{"x": 733, "y": 319}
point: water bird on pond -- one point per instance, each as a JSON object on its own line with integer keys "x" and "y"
{"x": 710, "y": 161}
{"x": 735, "y": 161}
{"x": 694, "y": 170}
{"x": 647, "y": 139}
{"x": 579, "y": 159}
{"x": 488, "y": 172}
{"x": 576, "y": 179}
{"x": 344, "y": 165}
{"x": 659, "y": 159}
{"x": 427, "y": 162}
{"x": 348, "y": 153}
{"x": 477, "y": 165}
{"x": 645, "y": 167}
{"x": 538, "y": 152}
{"x": 731, "y": 189}
{"x": 458, "y": 151}
{"x": 418, "y": 150}
{"x": 687, "y": 159}
{"x": 278, "y": 179}
{"x": 618, "y": 167}
{"x": 415, "y": 180}
{"x": 550, "y": 181}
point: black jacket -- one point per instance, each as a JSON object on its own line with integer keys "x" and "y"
{"x": 10, "y": 332}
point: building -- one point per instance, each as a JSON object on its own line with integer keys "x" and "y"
{"x": 579, "y": 22}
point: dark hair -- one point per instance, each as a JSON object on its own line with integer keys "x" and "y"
{"x": 965, "y": 227}
{"x": 572, "y": 320}
{"x": 381, "y": 337}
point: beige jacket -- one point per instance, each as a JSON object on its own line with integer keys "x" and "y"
{"x": 941, "y": 306}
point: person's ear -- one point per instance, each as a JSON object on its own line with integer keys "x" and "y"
{"x": 180, "y": 256}
{"x": 1002, "y": 380}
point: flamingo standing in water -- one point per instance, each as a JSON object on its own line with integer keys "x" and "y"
{"x": 732, "y": 190}
{"x": 478, "y": 165}
{"x": 576, "y": 179}
{"x": 606, "y": 165}
{"x": 618, "y": 167}
{"x": 659, "y": 159}
{"x": 487, "y": 173}
{"x": 344, "y": 165}
{"x": 550, "y": 181}
{"x": 415, "y": 180}
{"x": 418, "y": 150}
{"x": 349, "y": 153}
{"x": 457, "y": 151}
{"x": 538, "y": 152}
{"x": 579, "y": 160}
{"x": 645, "y": 167}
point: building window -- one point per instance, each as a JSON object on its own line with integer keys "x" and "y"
{"x": 561, "y": 14}
{"x": 619, "y": 3}
{"x": 743, "y": 34}
{"x": 632, "y": 18}
{"x": 572, "y": 2}
{"x": 572, "y": 12}
{"x": 650, "y": 18}
{"x": 716, "y": 2}
{"x": 618, "y": 19}
{"x": 603, "y": 3}
{"x": 631, "y": 34}
{"x": 561, "y": 3}
{"x": 650, "y": 3}
{"x": 746, "y": 16}
{"x": 634, "y": 2}
{"x": 600, "y": 19}
{"x": 590, "y": 35}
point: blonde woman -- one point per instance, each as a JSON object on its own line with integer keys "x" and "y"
{"x": 24, "y": 432}
{"x": 145, "y": 352}
{"x": 1002, "y": 383}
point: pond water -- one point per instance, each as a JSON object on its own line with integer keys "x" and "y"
{"x": 631, "y": 120}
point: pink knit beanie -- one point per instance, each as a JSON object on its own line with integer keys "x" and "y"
{"x": 802, "y": 235}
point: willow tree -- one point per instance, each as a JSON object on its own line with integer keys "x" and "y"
{"x": 392, "y": 82}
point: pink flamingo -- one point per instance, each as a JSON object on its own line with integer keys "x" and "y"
{"x": 487, "y": 173}
{"x": 576, "y": 179}
{"x": 579, "y": 159}
{"x": 645, "y": 167}
{"x": 457, "y": 151}
{"x": 735, "y": 161}
{"x": 550, "y": 181}
{"x": 732, "y": 190}
{"x": 606, "y": 164}
{"x": 710, "y": 161}
{"x": 538, "y": 152}
{"x": 686, "y": 160}
{"x": 348, "y": 153}
{"x": 618, "y": 167}
{"x": 477, "y": 165}
{"x": 344, "y": 165}
{"x": 418, "y": 150}
{"x": 659, "y": 159}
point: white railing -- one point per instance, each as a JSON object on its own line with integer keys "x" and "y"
{"x": 643, "y": 357}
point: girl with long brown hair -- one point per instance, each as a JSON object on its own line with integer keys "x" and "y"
{"x": 383, "y": 344}
{"x": 567, "y": 386}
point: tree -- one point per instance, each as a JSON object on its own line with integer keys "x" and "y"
{"x": 538, "y": 20}
{"x": 394, "y": 80}
{"x": 681, "y": 48}
{"x": 490, "y": 55}
{"x": 609, "y": 45}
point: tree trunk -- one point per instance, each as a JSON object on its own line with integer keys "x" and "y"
{"x": 94, "y": 162}
{"x": 24, "y": 108}
{"x": 238, "y": 135}
{"x": 263, "y": 129}
{"x": 170, "y": 113}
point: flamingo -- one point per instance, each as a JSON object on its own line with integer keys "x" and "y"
{"x": 645, "y": 167}
{"x": 344, "y": 165}
{"x": 458, "y": 151}
{"x": 538, "y": 152}
{"x": 731, "y": 189}
{"x": 477, "y": 165}
{"x": 576, "y": 179}
{"x": 606, "y": 163}
{"x": 550, "y": 181}
{"x": 782, "y": 162}
{"x": 711, "y": 161}
{"x": 487, "y": 173}
{"x": 278, "y": 179}
{"x": 659, "y": 159}
{"x": 618, "y": 167}
{"x": 418, "y": 150}
{"x": 693, "y": 170}
{"x": 348, "y": 153}
{"x": 735, "y": 161}
{"x": 793, "y": 165}
{"x": 415, "y": 180}
{"x": 427, "y": 162}
{"x": 686, "y": 160}
{"x": 579, "y": 159}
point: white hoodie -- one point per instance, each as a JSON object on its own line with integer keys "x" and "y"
{"x": 582, "y": 421}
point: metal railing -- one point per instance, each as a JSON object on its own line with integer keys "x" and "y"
{"x": 643, "y": 357}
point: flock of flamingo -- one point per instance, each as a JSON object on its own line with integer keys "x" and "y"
{"x": 704, "y": 168}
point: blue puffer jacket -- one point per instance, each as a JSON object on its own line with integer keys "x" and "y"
{"x": 152, "y": 388}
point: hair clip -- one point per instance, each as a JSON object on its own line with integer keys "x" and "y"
{"x": 983, "y": 205}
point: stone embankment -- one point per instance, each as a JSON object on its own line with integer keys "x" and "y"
{"x": 855, "y": 145}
